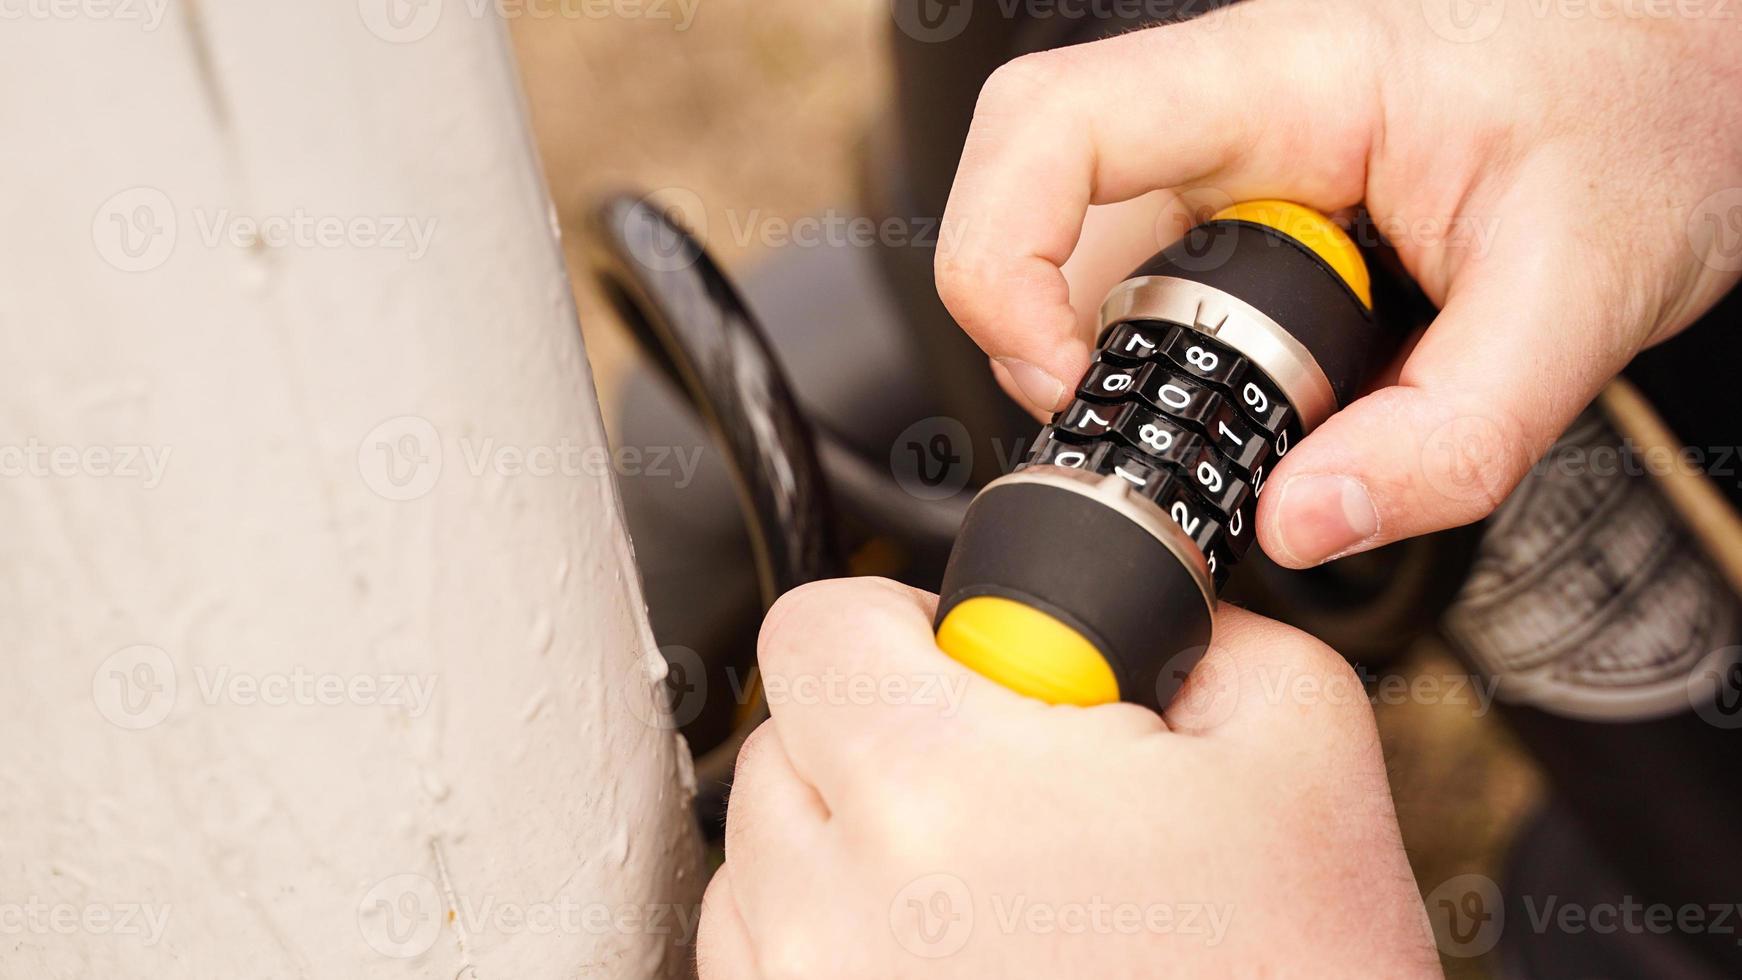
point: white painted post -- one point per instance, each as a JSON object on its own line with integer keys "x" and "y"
{"x": 324, "y": 652}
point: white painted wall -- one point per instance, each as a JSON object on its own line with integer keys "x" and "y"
{"x": 296, "y": 684}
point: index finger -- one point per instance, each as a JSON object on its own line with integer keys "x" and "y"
{"x": 1264, "y": 99}
{"x": 850, "y": 669}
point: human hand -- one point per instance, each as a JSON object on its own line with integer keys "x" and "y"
{"x": 1558, "y": 180}
{"x": 934, "y": 824}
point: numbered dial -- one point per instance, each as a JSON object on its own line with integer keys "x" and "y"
{"x": 1186, "y": 420}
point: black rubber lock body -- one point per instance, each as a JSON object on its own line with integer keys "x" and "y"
{"x": 1289, "y": 284}
{"x": 1082, "y": 562}
{"x": 1188, "y": 426}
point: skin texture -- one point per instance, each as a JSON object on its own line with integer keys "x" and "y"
{"x": 1561, "y": 179}
{"x": 898, "y": 834}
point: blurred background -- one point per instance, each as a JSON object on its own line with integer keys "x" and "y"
{"x": 761, "y": 113}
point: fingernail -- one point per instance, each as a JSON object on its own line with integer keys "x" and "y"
{"x": 1040, "y": 388}
{"x": 1320, "y": 517}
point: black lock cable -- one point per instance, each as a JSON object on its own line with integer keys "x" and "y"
{"x": 686, "y": 315}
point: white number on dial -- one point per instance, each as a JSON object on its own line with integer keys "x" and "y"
{"x": 1184, "y": 517}
{"x": 1156, "y": 438}
{"x": 1210, "y": 477}
{"x": 1255, "y": 398}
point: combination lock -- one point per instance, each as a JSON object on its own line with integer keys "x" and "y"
{"x": 1090, "y": 574}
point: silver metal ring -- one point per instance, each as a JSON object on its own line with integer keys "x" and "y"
{"x": 1116, "y": 492}
{"x": 1234, "y": 322}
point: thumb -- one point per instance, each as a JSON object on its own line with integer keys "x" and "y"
{"x": 1528, "y": 335}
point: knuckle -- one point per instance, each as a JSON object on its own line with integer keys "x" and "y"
{"x": 795, "y": 616}
{"x": 967, "y": 283}
{"x": 1021, "y": 82}
{"x": 906, "y": 814}
{"x": 1307, "y": 687}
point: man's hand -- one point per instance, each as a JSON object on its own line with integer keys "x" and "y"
{"x": 900, "y": 817}
{"x": 1563, "y": 180}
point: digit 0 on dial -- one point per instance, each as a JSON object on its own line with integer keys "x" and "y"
{"x": 1090, "y": 574}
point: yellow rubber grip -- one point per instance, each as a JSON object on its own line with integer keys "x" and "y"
{"x": 1027, "y": 651}
{"x": 1313, "y": 230}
